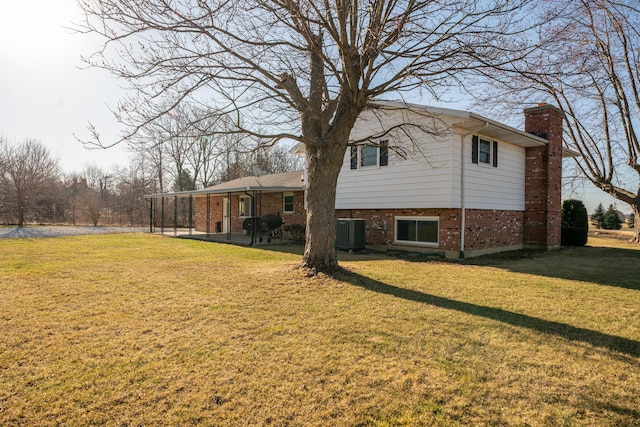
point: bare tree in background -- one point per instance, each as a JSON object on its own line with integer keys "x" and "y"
{"x": 295, "y": 69}
{"x": 152, "y": 152}
{"x": 28, "y": 173}
{"x": 99, "y": 179}
{"x": 131, "y": 184}
{"x": 277, "y": 159}
{"x": 4, "y": 214}
{"x": 92, "y": 206}
{"x": 589, "y": 66}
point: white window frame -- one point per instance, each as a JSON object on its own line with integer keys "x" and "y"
{"x": 361, "y": 158}
{"x": 374, "y": 154}
{"x": 417, "y": 219}
{"x": 284, "y": 203}
{"x": 243, "y": 205}
{"x": 488, "y": 153}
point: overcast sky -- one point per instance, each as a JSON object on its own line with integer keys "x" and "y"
{"x": 44, "y": 94}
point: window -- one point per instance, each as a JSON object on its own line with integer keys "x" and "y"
{"x": 417, "y": 230}
{"x": 368, "y": 156}
{"x": 288, "y": 203}
{"x": 484, "y": 151}
{"x": 363, "y": 156}
{"x": 245, "y": 206}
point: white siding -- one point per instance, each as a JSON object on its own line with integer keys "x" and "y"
{"x": 430, "y": 175}
{"x": 500, "y": 188}
{"x": 422, "y": 180}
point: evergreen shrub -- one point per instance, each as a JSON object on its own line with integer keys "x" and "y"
{"x": 575, "y": 223}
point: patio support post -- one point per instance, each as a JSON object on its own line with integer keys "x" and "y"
{"x": 228, "y": 225}
{"x": 208, "y": 215}
{"x": 190, "y": 213}
{"x": 162, "y": 217}
{"x": 258, "y": 195}
{"x": 175, "y": 216}
{"x": 151, "y": 215}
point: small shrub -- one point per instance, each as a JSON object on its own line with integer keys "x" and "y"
{"x": 575, "y": 223}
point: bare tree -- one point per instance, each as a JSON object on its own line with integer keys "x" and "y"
{"x": 180, "y": 144}
{"x": 589, "y": 66}
{"x": 295, "y": 69}
{"x": 131, "y": 184}
{"x": 99, "y": 180}
{"x": 73, "y": 190}
{"x": 152, "y": 154}
{"x": 28, "y": 172}
{"x": 215, "y": 148}
{"x": 88, "y": 194}
{"x": 276, "y": 159}
{"x": 92, "y": 206}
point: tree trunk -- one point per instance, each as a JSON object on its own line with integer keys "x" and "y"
{"x": 20, "y": 202}
{"x": 20, "y": 215}
{"x": 636, "y": 224}
{"x": 323, "y": 167}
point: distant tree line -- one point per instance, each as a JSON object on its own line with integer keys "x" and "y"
{"x": 35, "y": 190}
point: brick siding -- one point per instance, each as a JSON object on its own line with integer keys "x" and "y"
{"x": 485, "y": 229}
{"x": 266, "y": 203}
{"x": 543, "y": 178}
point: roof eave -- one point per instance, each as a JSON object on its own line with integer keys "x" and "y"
{"x": 473, "y": 123}
{"x": 204, "y": 192}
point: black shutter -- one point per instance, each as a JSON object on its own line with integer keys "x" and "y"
{"x": 495, "y": 154}
{"x": 384, "y": 153}
{"x": 354, "y": 157}
{"x": 474, "y": 149}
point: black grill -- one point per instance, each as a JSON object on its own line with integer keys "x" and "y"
{"x": 270, "y": 222}
{"x": 267, "y": 225}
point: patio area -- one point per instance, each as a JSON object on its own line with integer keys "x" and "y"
{"x": 243, "y": 239}
{"x": 247, "y": 211}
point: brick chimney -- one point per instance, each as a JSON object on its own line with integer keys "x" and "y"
{"x": 543, "y": 178}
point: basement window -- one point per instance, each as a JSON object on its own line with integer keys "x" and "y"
{"x": 417, "y": 230}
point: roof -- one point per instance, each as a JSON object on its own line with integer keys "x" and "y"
{"x": 473, "y": 122}
{"x": 294, "y": 179}
{"x": 470, "y": 122}
{"x": 286, "y": 181}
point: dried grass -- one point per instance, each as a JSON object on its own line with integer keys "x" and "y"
{"x": 142, "y": 330}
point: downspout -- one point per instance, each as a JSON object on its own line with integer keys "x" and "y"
{"x": 254, "y": 221}
{"x": 463, "y": 212}
{"x": 463, "y": 209}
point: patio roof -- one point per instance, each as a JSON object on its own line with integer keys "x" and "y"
{"x": 286, "y": 181}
